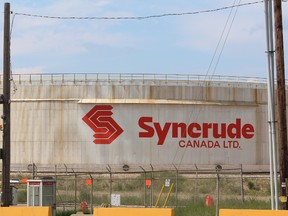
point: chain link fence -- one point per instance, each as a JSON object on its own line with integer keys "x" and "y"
{"x": 171, "y": 188}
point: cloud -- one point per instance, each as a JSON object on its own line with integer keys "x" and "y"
{"x": 78, "y": 7}
{"x": 36, "y": 35}
{"x": 202, "y": 33}
{"x": 70, "y": 41}
{"x": 30, "y": 70}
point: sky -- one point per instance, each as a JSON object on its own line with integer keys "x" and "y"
{"x": 228, "y": 42}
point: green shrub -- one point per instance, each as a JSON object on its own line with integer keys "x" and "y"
{"x": 22, "y": 196}
{"x": 251, "y": 185}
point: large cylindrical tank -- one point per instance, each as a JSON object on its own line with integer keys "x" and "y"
{"x": 86, "y": 120}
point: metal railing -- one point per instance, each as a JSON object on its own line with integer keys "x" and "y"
{"x": 61, "y": 78}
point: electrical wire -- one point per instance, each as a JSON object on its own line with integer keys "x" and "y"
{"x": 225, "y": 40}
{"x": 219, "y": 42}
{"x": 197, "y": 113}
{"x": 136, "y": 17}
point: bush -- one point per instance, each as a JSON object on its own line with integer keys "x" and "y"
{"x": 22, "y": 196}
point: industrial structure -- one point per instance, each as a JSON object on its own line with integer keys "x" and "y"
{"x": 87, "y": 122}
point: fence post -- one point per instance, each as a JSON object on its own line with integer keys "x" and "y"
{"x": 196, "y": 181}
{"x": 218, "y": 168}
{"x": 91, "y": 194}
{"x": 217, "y": 186}
{"x": 110, "y": 185}
{"x": 242, "y": 188}
{"x": 75, "y": 190}
{"x": 144, "y": 186}
{"x": 66, "y": 186}
{"x": 152, "y": 183}
{"x": 176, "y": 185}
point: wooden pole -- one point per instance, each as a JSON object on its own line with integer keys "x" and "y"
{"x": 6, "y": 109}
{"x": 281, "y": 99}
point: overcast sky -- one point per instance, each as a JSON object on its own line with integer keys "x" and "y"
{"x": 168, "y": 45}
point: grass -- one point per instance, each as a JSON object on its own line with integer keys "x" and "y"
{"x": 200, "y": 209}
{"x": 65, "y": 213}
{"x": 190, "y": 196}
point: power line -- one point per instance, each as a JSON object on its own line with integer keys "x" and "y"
{"x": 195, "y": 113}
{"x": 136, "y": 17}
{"x": 225, "y": 40}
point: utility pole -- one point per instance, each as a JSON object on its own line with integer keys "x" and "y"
{"x": 5, "y": 100}
{"x": 281, "y": 99}
{"x": 271, "y": 105}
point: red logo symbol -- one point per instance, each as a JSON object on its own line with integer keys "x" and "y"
{"x": 100, "y": 121}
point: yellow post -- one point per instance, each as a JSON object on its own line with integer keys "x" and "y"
{"x": 26, "y": 211}
{"x": 133, "y": 212}
{"x": 251, "y": 212}
{"x": 159, "y": 196}
{"x": 168, "y": 195}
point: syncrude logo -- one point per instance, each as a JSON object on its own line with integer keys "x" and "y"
{"x": 100, "y": 121}
{"x": 196, "y": 133}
